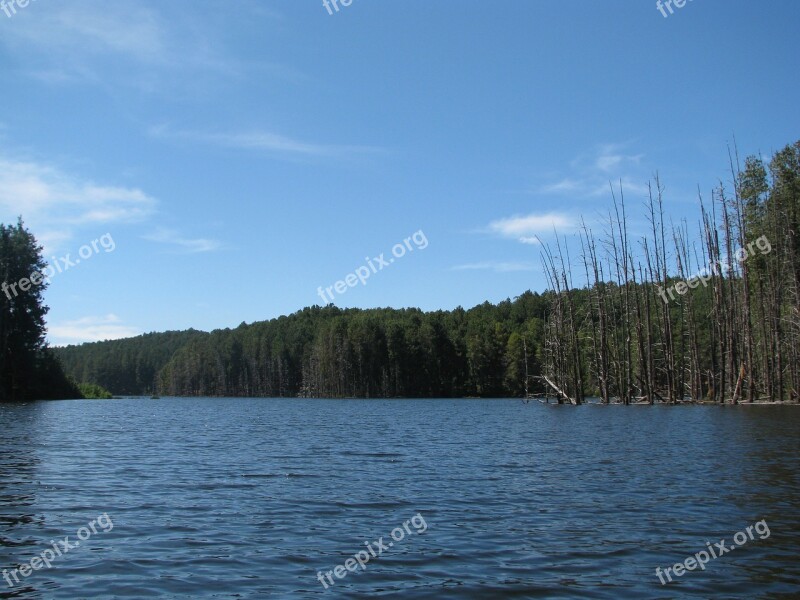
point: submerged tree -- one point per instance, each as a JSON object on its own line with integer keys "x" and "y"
{"x": 716, "y": 318}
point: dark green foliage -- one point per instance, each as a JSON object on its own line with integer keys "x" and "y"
{"x": 330, "y": 352}
{"x": 126, "y": 367}
{"x": 93, "y": 391}
{"x": 28, "y": 371}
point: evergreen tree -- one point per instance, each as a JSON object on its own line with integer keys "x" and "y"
{"x": 28, "y": 371}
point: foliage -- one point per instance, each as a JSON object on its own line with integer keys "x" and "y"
{"x": 127, "y": 367}
{"x": 330, "y": 352}
{"x": 92, "y": 391}
{"x": 28, "y": 370}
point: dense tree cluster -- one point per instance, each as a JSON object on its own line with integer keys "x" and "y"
{"x": 92, "y": 391}
{"x": 330, "y": 352}
{"x": 125, "y": 367}
{"x": 28, "y": 369}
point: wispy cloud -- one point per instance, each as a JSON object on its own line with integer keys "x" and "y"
{"x": 63, "y": 39}
{"x": 591, "y": 174}
{"x": 566, "y": 185}
{"x": 56, "y": 202}
{"x": 147, "y": 47}
{"x": 90, "y": 329}
{"x": 262, "y": 141}
{"x": 611, "y": 157}
{"x": 496, "y": 266}
{"x": 527, "y": 228}
{"x": 531, "y": 240}
{"x": 182, "y": 244}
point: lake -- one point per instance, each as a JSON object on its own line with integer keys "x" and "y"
{"x": 259, "y": 498}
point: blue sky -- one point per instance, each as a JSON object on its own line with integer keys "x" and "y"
{"x": 244, "y": 153}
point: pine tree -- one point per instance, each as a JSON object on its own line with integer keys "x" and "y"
{"x": 27, "y": 369}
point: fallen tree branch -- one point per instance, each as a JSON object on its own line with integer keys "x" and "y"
{"x": 558, "y": 391}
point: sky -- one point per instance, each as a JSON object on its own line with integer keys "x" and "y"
{"x": 203, "y": 163}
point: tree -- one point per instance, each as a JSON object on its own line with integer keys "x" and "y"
{"x": 28, "y": 370}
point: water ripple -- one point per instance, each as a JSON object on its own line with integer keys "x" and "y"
{"x": 247, "y": 498}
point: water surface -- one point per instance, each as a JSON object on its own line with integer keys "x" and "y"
{"x": 251, "y": 498}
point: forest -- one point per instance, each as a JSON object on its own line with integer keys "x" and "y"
{"x": 332, "y": 352}
{"x": 676, "y": 312}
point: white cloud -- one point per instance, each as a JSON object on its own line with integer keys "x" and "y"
{"x": 124, "y": 28}
{"x": 151, "y": 48}
{"x": 55, "y": 202}
{"x": 610, "y": 157}
{"x": 497, "y": 267}
{"x": 263, "y": 141}
{"x": 187, "y": 245}
{"x": 90, "y": 329}
{"x": 68, "y": 35}
{"x": 566, "y": 185}
{"x": 531, "y": 240}
{"x": 527, "y": 228}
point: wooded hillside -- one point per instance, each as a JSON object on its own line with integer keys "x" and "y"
{"x": 677, "y": 312}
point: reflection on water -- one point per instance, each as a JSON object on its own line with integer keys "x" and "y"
{"x": 252, "y": 498}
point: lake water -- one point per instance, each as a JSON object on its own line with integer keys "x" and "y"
{"x": 251, "y": 498}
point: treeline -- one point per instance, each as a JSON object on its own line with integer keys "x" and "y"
{"x": 327, "y": 352}
{"x": 28, "y": 369}
{"x": 125, "y": 367}
{"x": 331, "y": 352}
{"x": 676, "y": 314}
{"x": 704, "y": 312}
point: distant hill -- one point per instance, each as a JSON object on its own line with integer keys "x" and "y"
{"x": 125, "y": 367}
{"x": 330, "y": 352}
